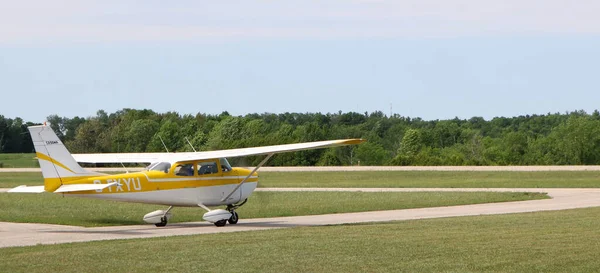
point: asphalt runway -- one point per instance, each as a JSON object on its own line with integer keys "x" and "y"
{"x": 19, "y": 234}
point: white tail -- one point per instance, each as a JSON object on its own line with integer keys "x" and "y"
{"x": 57, "y": 164}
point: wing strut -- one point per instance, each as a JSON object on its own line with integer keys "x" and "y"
{"x": 247, "y": 177}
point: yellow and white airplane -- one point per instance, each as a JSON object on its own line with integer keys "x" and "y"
{"x": 191, "y": 179}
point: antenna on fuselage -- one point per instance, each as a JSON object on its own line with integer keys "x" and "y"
{"x": 188, "y": 141}
{"x": 163, "y": 143}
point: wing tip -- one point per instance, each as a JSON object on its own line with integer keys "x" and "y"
{"x": 353, "y": 141}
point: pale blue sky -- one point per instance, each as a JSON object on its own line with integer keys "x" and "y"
{"x": 431, "y": 58}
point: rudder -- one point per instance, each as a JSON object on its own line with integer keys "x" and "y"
{"x": 57, "y": 164}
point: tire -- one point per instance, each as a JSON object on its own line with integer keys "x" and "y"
{"x": 221, "y": 223}
{"x": 161, "y": 224}
{"x": 234, "y": 218}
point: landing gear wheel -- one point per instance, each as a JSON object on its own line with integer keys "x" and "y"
{"x": 234, "y": 218}
{"x": 221, "y": 223}
{"x": 163, "y": 222}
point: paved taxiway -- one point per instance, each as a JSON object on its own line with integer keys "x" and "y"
{"x": 19, "y": 234}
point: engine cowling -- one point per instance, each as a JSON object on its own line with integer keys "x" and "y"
{"x": 216, "y": 215}
{"x": 155, "y": 216}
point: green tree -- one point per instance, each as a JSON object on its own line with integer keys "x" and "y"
{"x": 409, "y": 148}
{"x": 4, "y": 133}
{"x": 577, "y": 141}
{"x": 329, "y": 158}
{"x": 86, "y": 138}
{"x": 227, "y": 134}
{"x": 553, "y": 138}
{"x": 373, "y": 154}
{"x": 515, "y": 146}
{"x": 170, "y": 134}
{"x": 411, "y": 143}
{"x": 139, "y": 135}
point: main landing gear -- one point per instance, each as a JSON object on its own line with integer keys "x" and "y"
{"x": 220, "y": 217}
{"x": 234, "y": 215}
{"x": 234, "y": 218}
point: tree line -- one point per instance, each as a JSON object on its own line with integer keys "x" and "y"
{"x": 572, "y": 138}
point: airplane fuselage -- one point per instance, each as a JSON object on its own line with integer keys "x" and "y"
{"x": 155, "y": 187}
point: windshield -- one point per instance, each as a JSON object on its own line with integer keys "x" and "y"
{"x": 225, "y": 167}
{"x": 162, "y": 166}
{"x": 151, "y": 165}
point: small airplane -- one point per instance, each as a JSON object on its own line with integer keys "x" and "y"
{"x": 189, "y": 179}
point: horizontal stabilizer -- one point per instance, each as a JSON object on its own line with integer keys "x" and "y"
{"x": 25, "y": 189}
{"x": 83, "y": 187}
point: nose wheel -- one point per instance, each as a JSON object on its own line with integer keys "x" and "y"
{"x": 159, "y": 218}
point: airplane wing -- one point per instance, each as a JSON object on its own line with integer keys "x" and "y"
{"x": 171, "y": 157}
{"x": 120, "y": 157}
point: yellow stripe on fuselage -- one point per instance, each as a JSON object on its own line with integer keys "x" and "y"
{"x": 149, "y": 181}
{"x": 53, "y": 161}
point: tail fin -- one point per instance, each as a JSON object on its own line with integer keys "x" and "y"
{"x": 57, "y": 164}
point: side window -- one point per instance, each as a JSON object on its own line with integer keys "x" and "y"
{"x": 207, "y": 167}
{"x": 184, "y": 170}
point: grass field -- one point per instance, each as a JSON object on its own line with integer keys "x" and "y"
{"x": 11, "y": 180}
{"x": 394, "y": 179}
{"x": 558, "y": 241}
{"x": 18, "y": 161}
{"x": 55, "y": 209}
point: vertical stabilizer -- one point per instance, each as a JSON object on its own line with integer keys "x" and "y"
{"x": 57, "y": 164}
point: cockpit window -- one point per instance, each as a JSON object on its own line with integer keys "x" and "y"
{"x": 184, "y": 170}
{"x": 225, "y": 167}
{"x": 162, "y": 166}
{"x": 207, "y": 167}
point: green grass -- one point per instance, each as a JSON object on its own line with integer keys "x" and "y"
{"x": 394, "y": 179}
{"x": 55, "y": 209}
{"x": 11, "y": 180}
{"x": 18, "y": 161}
{"x": 558, "y": 241}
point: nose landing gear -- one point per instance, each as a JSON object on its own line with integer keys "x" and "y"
{"x": 159, "y": 218}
